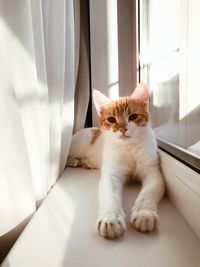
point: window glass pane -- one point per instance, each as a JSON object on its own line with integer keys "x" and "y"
{"x": 170, "y": 63}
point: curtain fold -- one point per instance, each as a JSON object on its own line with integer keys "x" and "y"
{"x": 39, "y": 64}
{"x": 83, "y": 78}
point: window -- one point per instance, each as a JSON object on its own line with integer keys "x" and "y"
{"x": 169, "y": 62}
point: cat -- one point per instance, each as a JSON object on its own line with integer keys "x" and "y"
{"x": 123, "y": 147}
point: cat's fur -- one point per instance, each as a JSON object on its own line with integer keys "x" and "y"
{"x": 124, "y": 147}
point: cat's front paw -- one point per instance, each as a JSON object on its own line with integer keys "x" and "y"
{"x": 111, "y": 225}
{"x": 144, "y": 220}
{"x": 73, "y": 162}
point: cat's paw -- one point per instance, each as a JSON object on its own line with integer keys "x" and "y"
{"x": 87, "y": 164}
{"x": 111, "y": 225}
{"x": 73, "y": 162}
{"x": 144, "y": 220}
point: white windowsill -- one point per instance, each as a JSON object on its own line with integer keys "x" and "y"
{"x": 61, "y": 233}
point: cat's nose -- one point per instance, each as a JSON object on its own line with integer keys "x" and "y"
{"x": 123, "y": 130}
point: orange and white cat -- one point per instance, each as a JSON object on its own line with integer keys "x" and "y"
{"x": 124, "y": 147}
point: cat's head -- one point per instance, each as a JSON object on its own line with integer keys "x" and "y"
{"x": 125, "y": 118}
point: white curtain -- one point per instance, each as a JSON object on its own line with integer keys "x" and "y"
{"x": 39, "y": 61}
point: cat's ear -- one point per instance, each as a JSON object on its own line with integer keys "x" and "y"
{"x": 100, "y": 100}
{"x": 141, "y": 94}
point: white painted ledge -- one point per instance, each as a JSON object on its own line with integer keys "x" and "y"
{"x": 183, "y": 189}
{"x": 61, "y": 233}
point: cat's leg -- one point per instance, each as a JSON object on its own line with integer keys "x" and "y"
{"x": 84, "y": 163}
{"x": 111, "y": 222}
{"x": 85, "y": 149}
{"x": 87, "y": 164}
{"x": 144, "y": 216}
{"x": 73, "y": 162}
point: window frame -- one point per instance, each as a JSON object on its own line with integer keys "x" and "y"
{"x": 184, "y": 156}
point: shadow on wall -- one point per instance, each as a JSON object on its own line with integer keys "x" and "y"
{"x": 191, "y": 123}
{"x": 164, "y": 102}
{"x": 164, "y": 106}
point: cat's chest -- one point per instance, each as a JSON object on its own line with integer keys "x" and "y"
{"x": 127, "y": 158}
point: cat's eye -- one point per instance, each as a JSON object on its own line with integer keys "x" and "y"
{"x": 133, "y": 117}
{"x": 111, "y": 119}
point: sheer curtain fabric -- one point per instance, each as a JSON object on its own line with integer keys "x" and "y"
{"x": 39, "y": 62}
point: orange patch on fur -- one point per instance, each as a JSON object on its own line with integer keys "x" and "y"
{"x": 121, "y": 109}
{"x": 95, "y": 134}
